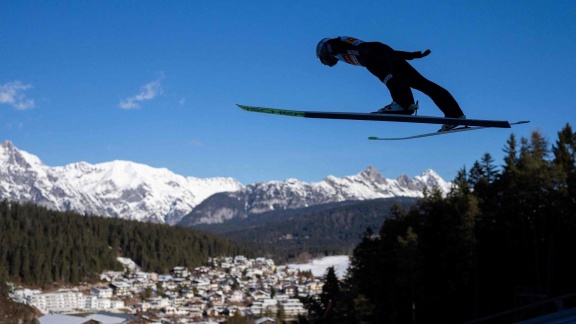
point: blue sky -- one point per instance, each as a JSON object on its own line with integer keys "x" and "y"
{"x": 156, "y": 82}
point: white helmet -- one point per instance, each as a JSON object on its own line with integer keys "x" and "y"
{"x": 324, "y": 53}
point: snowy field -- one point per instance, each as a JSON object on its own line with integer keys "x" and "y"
{"x": 319, "y": 266}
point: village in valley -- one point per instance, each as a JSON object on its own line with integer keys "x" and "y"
{"x": 225, "y": 288}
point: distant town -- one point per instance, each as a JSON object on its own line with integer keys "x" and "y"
{"x": 226, "y": 287}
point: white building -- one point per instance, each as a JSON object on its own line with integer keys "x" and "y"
{"x": 265, "y": 306}
{"x": 143, "y": 307}
{"x": 158, "y": 302}
{"x": 237, "y": 296}
{"x": 88, "y": 302}
{"x": 240, "y": 259}
{"x": 120, "y": 288}
{"x": 104, "y": 304}
{"x": 58, "y": 301}
{"x": 70, "y": 300}
{"x": 294, "y": 307}
{"x": 101, "y": 292}
{"x": 180, "y": 272}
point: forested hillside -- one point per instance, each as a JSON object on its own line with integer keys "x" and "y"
{"x": 39, "y": 247}
{"x": 314, "y": 231}
{"x": 502, "y": 239}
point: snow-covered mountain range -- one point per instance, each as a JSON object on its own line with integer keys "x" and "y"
{"x": 135, "y": 191}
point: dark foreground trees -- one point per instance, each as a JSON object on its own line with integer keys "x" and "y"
{"x": 499, "y": 240}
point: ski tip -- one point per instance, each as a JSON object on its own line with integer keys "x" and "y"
{"x": 245, "y": 108}
{"x": 520, "y": 122}
{"x": 372, "y": 138}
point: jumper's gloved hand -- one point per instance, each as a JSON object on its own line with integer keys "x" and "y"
{"x": 419, "y": 54}
{"x": 413, "y": 55}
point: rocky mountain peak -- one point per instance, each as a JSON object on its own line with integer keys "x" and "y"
{"x": 10, "y": 155}
{"x": 371, "y": 174}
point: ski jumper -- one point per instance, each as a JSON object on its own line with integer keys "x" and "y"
{"x": 391, "y": 68}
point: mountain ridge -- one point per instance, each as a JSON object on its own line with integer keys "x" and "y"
{"x": 137, "y": 191}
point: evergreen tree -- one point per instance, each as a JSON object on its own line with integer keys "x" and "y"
{"x": 511, "y": 158}
{"x": 408, "y": 264}
{"x": 563, "y": 204}
{"x": 330, "y": 296}
{"x": 366, "y": 271}
{"x": 3, "y": 285}
{"x": 461, "y": 182}
{"x": 489, "y": 169}
{"x": 477, "y": 174}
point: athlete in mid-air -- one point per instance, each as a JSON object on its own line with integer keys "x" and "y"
{"x": 391, "y": 68}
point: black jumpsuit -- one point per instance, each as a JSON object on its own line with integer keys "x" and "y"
{"x": 391, "y": 68}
